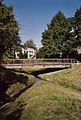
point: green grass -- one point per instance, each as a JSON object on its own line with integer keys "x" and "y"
{"x": 13, "y": 83}
{"x": 66, "y": 78}
{"x": 22, "y": 81}
{"x": 48, "y": 101}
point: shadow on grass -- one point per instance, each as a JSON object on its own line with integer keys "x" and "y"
{"x": 7, "y": 78}
{"x": 11, "y": 76}
{"x": 37, "y": 72}
{"x": 12, "y": 112}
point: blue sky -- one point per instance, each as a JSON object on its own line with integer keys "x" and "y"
{"x": 33, "y": 15}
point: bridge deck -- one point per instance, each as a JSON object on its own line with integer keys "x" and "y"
{"x": 37, "y": 63}
{"x": 65, "y": 65}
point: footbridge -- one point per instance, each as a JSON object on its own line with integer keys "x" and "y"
{"x": 37, "y": 63}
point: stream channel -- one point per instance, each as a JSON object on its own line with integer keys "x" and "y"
{"x": 36, "y": 81}
{"x": 36, "y": 73}
{"x": 45, "y": 71}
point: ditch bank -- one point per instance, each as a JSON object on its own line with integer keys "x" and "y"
{"x": 14, "y": 85}
{"x": 40, "y": 74}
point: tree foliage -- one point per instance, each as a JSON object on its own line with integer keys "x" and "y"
{"x": 40, "y": 53}
{"x": 63, "y": 35}
{"x": 73, "y": 35}
{"x": 9, "y": 37}
{"x": 78, "y": 26}
{"x": 54, "y": 35}
{"x": 30, "y": 44}
{"x": 22, "y": 56}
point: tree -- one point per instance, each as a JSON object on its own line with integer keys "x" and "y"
{"x": 30, "y": 44}
{"x": 73, "y": 34}
{"x": 78, "y": 27}
{"x": 20, "y": 54}
{"x": 40, "y": 53}
{"x": 9, "y": 36}
{"x": 69, "y": 38}
{"x": 53, "y": 37}
{"x": 63, "y": 35}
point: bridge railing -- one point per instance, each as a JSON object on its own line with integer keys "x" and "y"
{"x": 36, "y": 61}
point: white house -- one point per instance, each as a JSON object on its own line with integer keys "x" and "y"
{"x": 31, "y": 53}
{"x": 17, "y": 55}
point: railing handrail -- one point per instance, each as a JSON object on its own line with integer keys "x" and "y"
{"x": 43, "y": 59}
{"x": 29, "y": 61}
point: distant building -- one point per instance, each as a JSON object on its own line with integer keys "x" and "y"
{"x": 78, "y": 50}
{"x": 17, "y": 55}
{"x": 31, "y": 53}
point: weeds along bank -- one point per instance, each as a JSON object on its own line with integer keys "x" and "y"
{"x": 12, "y": 84}
{"x": 48, "y": 100}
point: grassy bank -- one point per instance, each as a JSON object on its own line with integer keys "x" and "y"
{"x": 13, "y": 83}
{"x": 67, "y": 78}
{"x": 47, "y": 100}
